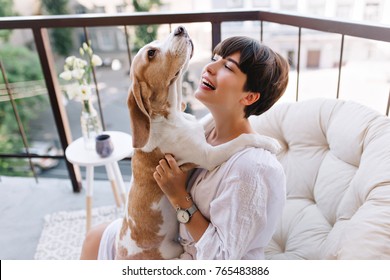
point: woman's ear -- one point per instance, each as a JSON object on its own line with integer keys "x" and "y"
{"x": 250, "y": 98}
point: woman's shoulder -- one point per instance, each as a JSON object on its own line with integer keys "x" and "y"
{"x": 254, "y": 170}
{"x": 252, "y": 161}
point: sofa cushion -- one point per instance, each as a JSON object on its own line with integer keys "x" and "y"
{"x": 336, "y": 156}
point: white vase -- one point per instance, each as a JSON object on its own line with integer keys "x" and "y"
{"x": 90, "y": 124}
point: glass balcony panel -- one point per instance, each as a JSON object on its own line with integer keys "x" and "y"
{"x": 319, "y": 60}
{"x": 365, "y": 76}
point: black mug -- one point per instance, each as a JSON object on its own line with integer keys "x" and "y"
{"x": 104, "y": 146}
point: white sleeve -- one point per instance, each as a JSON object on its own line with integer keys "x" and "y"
{"x": 237, "y": 215}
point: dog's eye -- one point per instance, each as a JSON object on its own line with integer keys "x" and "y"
{"x": 151, "y": 53}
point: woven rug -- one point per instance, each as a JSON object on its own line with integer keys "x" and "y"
{"x": 63, "y": 232}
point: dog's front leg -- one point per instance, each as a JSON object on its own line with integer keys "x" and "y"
{"x": 188, "y": 166}
{"x": 216, "y": 155}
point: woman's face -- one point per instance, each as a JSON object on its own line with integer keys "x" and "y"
{"x": 222, "y": 84}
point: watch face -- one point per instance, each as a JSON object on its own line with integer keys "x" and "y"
{"x": 182, "y": 216}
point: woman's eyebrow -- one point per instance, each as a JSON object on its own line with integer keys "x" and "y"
{"x": 235, "y": 62}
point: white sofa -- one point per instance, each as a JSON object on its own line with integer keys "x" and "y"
{"x": 336, "y": 156}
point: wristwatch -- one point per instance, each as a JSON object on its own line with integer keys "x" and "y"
{"x": 184, "y": 215}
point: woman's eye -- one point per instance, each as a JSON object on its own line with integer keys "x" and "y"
{"x": 228, "y": 67}
{"x": 151, "y": 53}
{"x": 215, "y": 57}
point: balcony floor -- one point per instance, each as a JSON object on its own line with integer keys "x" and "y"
{"x": 24, "y": 203}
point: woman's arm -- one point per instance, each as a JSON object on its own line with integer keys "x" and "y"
{"x": 237, "y": 216}
{"x": 172, "y": 181}
{"x": 238, "y": 211}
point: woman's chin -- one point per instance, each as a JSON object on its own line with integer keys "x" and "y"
{"x": 200, "y": 93}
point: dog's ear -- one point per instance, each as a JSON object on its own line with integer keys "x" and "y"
{"x": 138, "y": 103}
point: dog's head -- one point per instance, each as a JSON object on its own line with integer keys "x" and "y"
{"x": 156, "y": 74}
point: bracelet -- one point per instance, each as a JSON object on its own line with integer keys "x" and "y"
{"x": 188, "y": 197}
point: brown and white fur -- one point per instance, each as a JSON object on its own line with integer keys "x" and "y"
{"x": 149, "y": 228}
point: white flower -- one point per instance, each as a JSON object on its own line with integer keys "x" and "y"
{"x": 69, "y": 60}
{"x": 80, "y": 92}
{"x": 80, "y": 70}
{"x": 73, "y": 91}
{"x": 85, "y": 91}
{"x": 78, "y": 73}
{"x": 66, "y": 75}
{"x": 96, "y": 60}
{"x": 79, "y": 63}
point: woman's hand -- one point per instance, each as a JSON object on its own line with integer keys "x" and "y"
{"x": 172, "y": 180}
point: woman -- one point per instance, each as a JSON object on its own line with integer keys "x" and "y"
{"x": 230, "y": 212}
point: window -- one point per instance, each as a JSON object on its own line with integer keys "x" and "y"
{"x": 79, "y": 9}
{"x": 372, "y": 10}
{"x": 100, "y": 9}
{"x": 235, "y": 4}
{"x": 344, "y": 9}
{"x": 121, "y": 39}
{"x": 106, "y": 39}
{"x": 290, "y": 5}
{"x": 291, "y": 58}
{"x": 316, "y": 7}
{"x": 313, "y": 58}
{"x": 261, "y": 3}
{"x": 120, "y": 8}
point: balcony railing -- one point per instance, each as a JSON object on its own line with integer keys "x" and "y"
{"x": 39, "y": 26}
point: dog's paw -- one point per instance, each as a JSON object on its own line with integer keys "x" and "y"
{"x": 260, "y": 141}
{"x": 188, "y": 166}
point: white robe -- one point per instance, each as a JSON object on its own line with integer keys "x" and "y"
{"x": 243, "y": 199}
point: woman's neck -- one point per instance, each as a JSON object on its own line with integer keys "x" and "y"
{"x": 227, "y": 128}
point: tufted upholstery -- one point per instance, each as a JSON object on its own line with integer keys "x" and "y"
{"x": 336, "y": 156}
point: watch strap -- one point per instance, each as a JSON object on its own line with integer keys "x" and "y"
{"x": 192, "y": 210}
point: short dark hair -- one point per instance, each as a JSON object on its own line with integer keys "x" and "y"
{"x": 266, "y": 70}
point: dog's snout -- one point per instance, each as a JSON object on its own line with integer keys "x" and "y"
{"x": 180, "y": 31}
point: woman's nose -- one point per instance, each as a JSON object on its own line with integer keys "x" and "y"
{"x": 211, "y": 67}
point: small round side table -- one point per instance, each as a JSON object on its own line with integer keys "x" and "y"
{"x": 77, "y": 154}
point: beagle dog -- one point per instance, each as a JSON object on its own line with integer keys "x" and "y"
{"x": 149, "y": 228}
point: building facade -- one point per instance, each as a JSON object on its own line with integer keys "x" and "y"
{"x": 318, "y": 49}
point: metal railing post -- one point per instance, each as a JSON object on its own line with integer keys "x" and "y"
{"x": 261, "y": 31}
{"x": 298, "y": 62}
{"x": 18, "y": 120}
{"x": 42, "y": 43}
{"x": 216, "y": 34}
{"x": 340, "y": 66}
